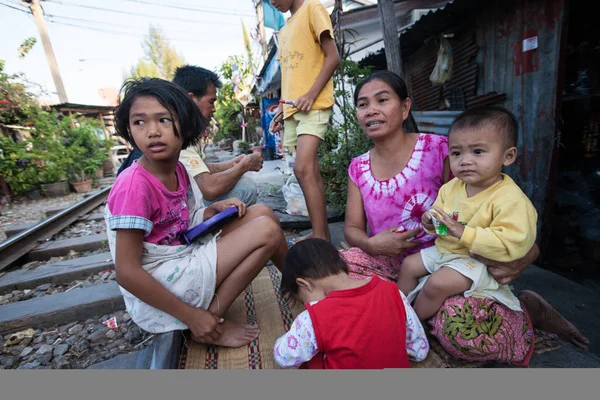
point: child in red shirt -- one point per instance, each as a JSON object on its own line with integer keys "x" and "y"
{"x": 348, "y": 323}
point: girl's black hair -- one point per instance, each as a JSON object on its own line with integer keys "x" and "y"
{"x": 398, "y": 85}
{"x": 169, "y": 95}
{"x": 311, "y": 258}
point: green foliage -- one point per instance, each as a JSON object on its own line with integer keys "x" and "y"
{"x": 54, "y": 148}
{"x": 344, "y": 138}
{"x": 26, "y": 46}
{"x": 160, "y": 58}
{"x": 228, "y": 108}
{"x": 14, "y": 97}
{"x": 17, "y": 165}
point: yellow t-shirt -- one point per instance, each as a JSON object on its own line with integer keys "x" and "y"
{"x": 301, "y": 57}
{"x": 192, "y": 161}
{"x": 500, "y": 222}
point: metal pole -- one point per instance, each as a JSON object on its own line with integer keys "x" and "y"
{"x": 38, "y": 14}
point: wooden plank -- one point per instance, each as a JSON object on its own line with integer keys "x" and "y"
{"x": 59, "y": 248}
{"x": 61, "y": 308}
{"x": 56, "y": 273}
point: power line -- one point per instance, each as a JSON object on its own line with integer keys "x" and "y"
{"x": 122, "y": 33}
{"x": 204, "y": 10}
{"x": 52, "y": 17}
{"x": 14, "y": 8}
{"x": 137, "y": 14}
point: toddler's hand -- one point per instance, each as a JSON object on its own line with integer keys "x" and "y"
{"x": 304, "y": 103}
{"x": 427, "y": 222}
{"x": 454, "y": 227}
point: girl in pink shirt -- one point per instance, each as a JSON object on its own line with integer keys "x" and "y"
{"x": 168, "y": 285}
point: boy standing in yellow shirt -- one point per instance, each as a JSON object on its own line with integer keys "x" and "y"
{"x": 308, "y": 58}
{"x": 484, "y": 211}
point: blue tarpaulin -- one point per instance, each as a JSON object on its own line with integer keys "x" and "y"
{"x": 273, "y": 18}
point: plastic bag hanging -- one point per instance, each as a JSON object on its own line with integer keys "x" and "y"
{"x": 442, "y": 72}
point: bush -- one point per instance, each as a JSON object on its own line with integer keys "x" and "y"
{"x": 344, "y": 138}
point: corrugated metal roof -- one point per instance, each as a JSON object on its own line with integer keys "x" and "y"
{"x": 435, "y": 22}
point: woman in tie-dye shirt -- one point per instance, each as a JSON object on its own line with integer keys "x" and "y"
{"x": 389, "y": 188}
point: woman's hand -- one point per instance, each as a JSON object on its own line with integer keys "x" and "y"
{"x": 222, "y": 205}
{"x": 204, "y": 325}
{"x": 392, "y": 244}
{"x": 506, "y": 272}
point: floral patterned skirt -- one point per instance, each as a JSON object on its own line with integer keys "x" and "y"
{"x": 472, "y": 329}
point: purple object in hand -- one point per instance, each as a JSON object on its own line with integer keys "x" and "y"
{"x": 209, "y": 226}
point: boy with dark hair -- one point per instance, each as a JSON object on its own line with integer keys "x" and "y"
{"x": 481, "y": 211}
{"x": 308, "y": 57}
{"x": 217, "y": 181}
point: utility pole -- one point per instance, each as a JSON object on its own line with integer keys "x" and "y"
{"x": 38, "y": 14}
{"x": 391, "y": 41}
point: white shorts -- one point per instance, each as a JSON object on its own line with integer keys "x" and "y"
{"x": 484, "y": 284}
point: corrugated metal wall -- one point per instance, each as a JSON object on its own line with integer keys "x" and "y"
{"x": 529, "y": 80}
{"x": 524, "y": 82}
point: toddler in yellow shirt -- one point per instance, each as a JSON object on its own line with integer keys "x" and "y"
{"x": 485, "y": 213}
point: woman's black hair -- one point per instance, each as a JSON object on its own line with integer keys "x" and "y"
{"x": 311, "y": 258}
{"x": 398, "y": 85}
{"x": 169, "y": 95}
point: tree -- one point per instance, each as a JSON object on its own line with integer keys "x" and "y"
{"x": 160, "y": 58}
{"x": 235, "y": 73}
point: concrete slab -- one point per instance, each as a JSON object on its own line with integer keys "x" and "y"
{"x": 57, "y": 248}
{"x": 123, "y": 361}
{"x": 18, "y": 228}
{"x": 61, "y": 308}
{"x": 165, "y": 350}
{"x": 336, "y": 229}
{"x": 56, "y": 273}
{"x": 577, "y": 303}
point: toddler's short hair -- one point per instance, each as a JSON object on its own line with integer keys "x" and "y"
{"x": 311, "y": 258}
{"x": 500, "y": 119}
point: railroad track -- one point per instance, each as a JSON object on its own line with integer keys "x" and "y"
{"x": 55, "y": 295}
{"x": 16, "y": 247}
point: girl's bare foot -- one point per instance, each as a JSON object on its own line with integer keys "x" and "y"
{"x": 235, "y": 334}
{"x": 543, "y": 316}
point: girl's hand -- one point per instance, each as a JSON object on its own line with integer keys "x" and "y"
{"x": 427, "y": 222}
{"x": 204, "y": 325}
{"x": 454, "y": 227}
{"x": 392, "y": 244}
{"x": 234, "y": 201}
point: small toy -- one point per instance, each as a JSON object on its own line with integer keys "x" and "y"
{"x": 440, "y": 228}
{"x": 289, "y": 102}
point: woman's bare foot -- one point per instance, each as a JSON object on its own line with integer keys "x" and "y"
{"x": 235, "y": 334}
{"x": 543, "y": 316}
